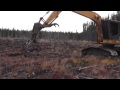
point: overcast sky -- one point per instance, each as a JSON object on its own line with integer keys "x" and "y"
{"x": 24, "y": 20}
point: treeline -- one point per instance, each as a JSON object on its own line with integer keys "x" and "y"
{"x": 89, "y": 32}
{"x": 7, "y": 33}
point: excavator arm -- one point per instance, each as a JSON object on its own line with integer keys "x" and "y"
{"x": 89, "y": 14}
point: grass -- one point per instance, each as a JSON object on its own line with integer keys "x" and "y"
{"x": 107, "y": 61}
{"x": 61, "y": 67}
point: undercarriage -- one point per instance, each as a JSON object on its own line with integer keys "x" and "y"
{"x": 102, "y": 50}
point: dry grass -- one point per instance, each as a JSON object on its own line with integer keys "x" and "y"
{"x": 107, "y": 61}
{"x": 65, "y": 66}
{"x": 55, "y": 65}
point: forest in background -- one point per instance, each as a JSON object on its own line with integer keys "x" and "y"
{"x": 88, "y": 34}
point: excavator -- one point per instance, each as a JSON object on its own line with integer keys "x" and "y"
{"x": 108, "y": 33}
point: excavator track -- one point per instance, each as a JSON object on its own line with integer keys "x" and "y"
{"x": 100, "y": 51}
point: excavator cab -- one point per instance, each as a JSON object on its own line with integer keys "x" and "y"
{"x": 111, "y": 29}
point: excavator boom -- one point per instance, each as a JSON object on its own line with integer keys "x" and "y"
{"x": 52, "y": 17}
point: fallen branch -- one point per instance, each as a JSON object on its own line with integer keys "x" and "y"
{"x": 84, "y": 76}
{"x": 113, "y": 67}
{"x": 87, "y": 67}
{"x": 116, "y": 71}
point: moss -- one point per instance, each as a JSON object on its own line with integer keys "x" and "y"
{"x": 109, "y": 61}
{"x": 76, "y": 53}
{"x": 78, "y": 61}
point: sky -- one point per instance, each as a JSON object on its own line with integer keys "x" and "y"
{"x": 24, "y": 20}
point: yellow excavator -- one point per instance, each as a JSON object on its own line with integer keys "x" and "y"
{"x": 108, "y": 32}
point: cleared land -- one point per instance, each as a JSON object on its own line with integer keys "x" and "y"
{"x": 54, "y": 60}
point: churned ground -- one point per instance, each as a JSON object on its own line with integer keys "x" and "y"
{"x": 53, "y": 59}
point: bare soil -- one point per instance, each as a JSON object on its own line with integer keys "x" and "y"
{"x": 54, "y": 60}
